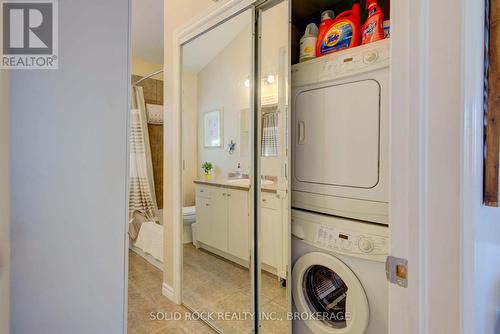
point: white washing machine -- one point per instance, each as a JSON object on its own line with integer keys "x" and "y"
{"x": 339, "y": 284}
{"x": 340, "y": 133}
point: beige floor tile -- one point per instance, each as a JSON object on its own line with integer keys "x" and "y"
{"x": 144, "y": 297}
{"x": 211, "y": 283}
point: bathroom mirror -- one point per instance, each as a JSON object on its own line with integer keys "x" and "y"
{"x": 273, "y": 225}
{"x": 217, "y": 192}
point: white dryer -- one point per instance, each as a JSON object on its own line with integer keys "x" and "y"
{"x": 340, "y": 133}
{"x": 339, "y": 283}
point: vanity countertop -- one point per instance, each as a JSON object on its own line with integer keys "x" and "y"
{"x": 234, "y": 184}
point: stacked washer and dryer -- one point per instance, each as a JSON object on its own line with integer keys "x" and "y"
{"x": 340, "y": 191}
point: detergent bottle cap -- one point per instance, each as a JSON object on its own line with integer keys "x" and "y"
{"x": 370, "y": 2}
{"x": 311, "y": 30}
{"x": 327, "y": 14}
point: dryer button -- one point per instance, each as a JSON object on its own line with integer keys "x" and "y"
{"x": 346, "y": 244}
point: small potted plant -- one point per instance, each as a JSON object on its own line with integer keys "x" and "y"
{"x": 207, "y": 168}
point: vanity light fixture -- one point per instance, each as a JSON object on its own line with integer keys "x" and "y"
{"x": 270, "y": 79}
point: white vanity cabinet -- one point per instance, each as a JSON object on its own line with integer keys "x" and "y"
{"x": 271, "y": 234}
{"x": 222, "y": 217}
{"x": 238, "y": 217}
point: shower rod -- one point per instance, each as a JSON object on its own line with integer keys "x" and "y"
{"x": 147, "y": 77}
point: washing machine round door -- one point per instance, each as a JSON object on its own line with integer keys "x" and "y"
{"x": 329, "y": 296}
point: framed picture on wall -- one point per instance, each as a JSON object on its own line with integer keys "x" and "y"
{"x": 213, "y": 128}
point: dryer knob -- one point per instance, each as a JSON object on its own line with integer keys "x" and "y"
{"x": 365, "y": 245}
{"x": 370, "y": 57}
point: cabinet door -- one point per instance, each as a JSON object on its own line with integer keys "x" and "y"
{"x": 238, "y": 224}
{"x": 203, "y": 214}
{"x": 271, "y": 237}
{"x": 218, "y": 218}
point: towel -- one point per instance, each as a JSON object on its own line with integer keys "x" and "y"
{"x": 150, "y": 240}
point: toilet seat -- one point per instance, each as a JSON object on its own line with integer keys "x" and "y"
{"x": 189, "y": 215}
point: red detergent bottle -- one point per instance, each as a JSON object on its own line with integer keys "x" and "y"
{"x": 343, "y": 32}
{"x": 373, "y": 29}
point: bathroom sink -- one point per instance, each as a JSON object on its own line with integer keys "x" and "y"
{"x": 266, "y": 182}
{"x": 239, "y": 182}
{"x": 246, "y": 182}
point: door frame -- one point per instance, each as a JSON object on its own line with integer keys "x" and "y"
{"x": 215, "y": 15}
{"x": 410, "y": 39}
{"x": 411, "y": 237}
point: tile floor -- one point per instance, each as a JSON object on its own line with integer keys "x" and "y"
{"x": 211, "y": 283}
{"x": 144, "y": 297}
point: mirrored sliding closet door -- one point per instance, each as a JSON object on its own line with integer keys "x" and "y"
{"x": 274, "y": 201}
{"x": 217, "y": 148}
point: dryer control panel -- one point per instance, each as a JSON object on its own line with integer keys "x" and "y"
{"x": 344, "y": 63}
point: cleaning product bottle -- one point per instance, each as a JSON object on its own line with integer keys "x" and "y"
{"x": 373, "y": 29}
{"x": 326, "y": 22}
{"x": 342, "y": 33}
{"x": 308, "y": 43}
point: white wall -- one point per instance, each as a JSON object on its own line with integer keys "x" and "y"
{"x": 233, "y": 65}
{"x": 221, "y": 84}
{"x": 69, "y": 157}
{"x": 189, "y": 135}
{"x": 4, "y": 204}
{"x": 443, "y": 199}
{"x": 143, "y": 68}
{"x": 487, "y": 270}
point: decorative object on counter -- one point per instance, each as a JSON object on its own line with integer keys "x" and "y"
{"x": 308, "y": 43}
{"x": 342, "y": 33}
{"x": 232, "y": 147}
{"x": 212, "y": 126}
{"x": 207, "y": 168}
{"x": 373, "y": 29}
{"x": 239, "y": 171}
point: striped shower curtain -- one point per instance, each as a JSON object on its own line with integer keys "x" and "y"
{"x": 142, "y": 199}
{"x": 270, "y": 134}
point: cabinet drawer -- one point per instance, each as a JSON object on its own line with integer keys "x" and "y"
{"x": 270, "y": 201}
{"x": 202, "y": 191}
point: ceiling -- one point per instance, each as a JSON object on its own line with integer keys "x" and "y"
{"x": 147, "y": 30}
{"x": 200, "y": 51}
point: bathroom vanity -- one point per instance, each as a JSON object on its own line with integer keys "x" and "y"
{"x": 223, "y": 223}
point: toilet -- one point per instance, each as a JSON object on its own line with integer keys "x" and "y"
{"x": 188, "y": 219}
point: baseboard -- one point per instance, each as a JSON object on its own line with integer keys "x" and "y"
{"x": 168, "y": 292}
{"x": 155, "y": 262}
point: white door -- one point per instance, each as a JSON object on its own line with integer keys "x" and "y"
{"x": 238, "y": 224}
{"x": 218, "y": 219}
{"x": 203, "y": 215}
{"x": 271, "y": 244}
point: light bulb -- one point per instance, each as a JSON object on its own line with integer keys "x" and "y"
{"x": 247, "y": 83}
{"x": 270, "y": 79}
